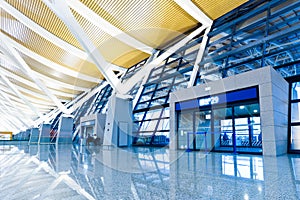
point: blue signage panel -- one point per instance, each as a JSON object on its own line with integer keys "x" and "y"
{"x": 184, "y": 105}
{"x": 249, "y": 93}
{"x": 229, "y": 97}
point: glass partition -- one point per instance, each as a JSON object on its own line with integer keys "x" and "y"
{"x": 231, "y": 127}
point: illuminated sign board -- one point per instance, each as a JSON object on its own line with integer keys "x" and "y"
{"x": 209, "y": 101}
{"x": 229, "y": 97}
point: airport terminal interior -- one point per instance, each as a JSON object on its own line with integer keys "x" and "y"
{"x": 160, "y": 99}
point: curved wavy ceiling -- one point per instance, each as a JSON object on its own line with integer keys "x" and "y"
{"x": 39, "y": 50}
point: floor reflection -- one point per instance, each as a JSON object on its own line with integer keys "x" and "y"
{"x": 77, "y": 172}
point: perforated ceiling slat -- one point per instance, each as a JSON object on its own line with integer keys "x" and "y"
{"x": 130, "y": 58}
{"x": 216, "y": 8}
{"x": 37, "y": 11}
{"x": 112, "y": 49}
{"x": 152, "y": 22}
{"x": 38, "y": 67}
{"x": 41, "y": 46}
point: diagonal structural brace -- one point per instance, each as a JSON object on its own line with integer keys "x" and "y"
{"x": 61, "y": 9}
{"x": 15, "y": 56}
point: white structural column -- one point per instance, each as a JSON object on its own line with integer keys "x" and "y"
{"x": 61, "y": 9}
{"x": 199, "y": 57}
{"x": 14, "y": 55}
{"x": 195, "y": 12}
{"x": 107, "y": 27}
{"x": 126, "y": 87}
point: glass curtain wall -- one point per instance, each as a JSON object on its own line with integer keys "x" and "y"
{"x": 294, "y": 136}
{"x": 151, "y": 112}
{"x": 257, "y": 34}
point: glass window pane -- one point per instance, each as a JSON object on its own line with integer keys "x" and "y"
{"x": 295, "y": 114}
{"x": 158, "y": 102}
{"x": 185, "y": 125}
{"x": 247, "y": 110}
{"x": 145, "y": 97}
{"x": 149, "y": 88}
{"x": 148, "y": 125}
{"x": 161, "y": 93}
{"x": 163, "y": 124}
{"x": 153, "y": 114}
{"x": 138, "y": 116}
{"x": 295, "y": 90}
{"x": 295, "y": 137}
{"x": 142, "y": 105}
{"x": 166, "y": 112}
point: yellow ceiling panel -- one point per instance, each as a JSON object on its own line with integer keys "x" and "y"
{"x": 64, "y": 99}
{"x": 158, "y": 38}
{"x": 216, "y": 8}
{"x": 49, "y": 83}
{"x": 62, "y": 77}
{"x": 37, "y": 101}
{"x": 130, "y": 58}
{"x": 36, "y": 93}
{"x": 45, "y": 48}
{"x": 18, "y": 83}
{"x": 97, "y": 35}
{"x": 133, "y": 16}
{"x": 113, "y": 49}
{"x": 51, "y": 73}
{"x": 110, "y": 48}
{"x": 38, "y": 12}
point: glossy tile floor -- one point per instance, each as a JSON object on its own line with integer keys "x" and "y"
{"x": 73, "y": 172}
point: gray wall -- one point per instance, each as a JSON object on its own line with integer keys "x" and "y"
{"x": 65, "y": 130}
{"x": 34, "y": 136}
{"x": 273, "y": 91}
{"x": 119, "y": 113}
{"x": 44, "y": 136}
